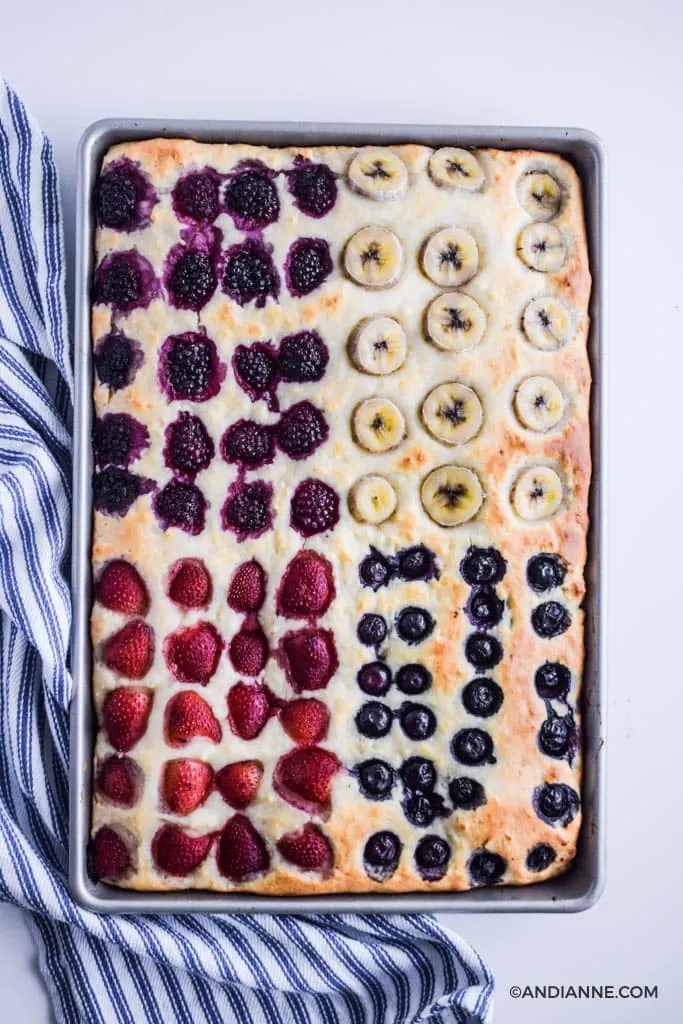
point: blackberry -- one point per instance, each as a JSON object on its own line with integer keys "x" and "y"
{"x": 247, "y": 509}
{"x": 118, "y": 439}
{"x": 251, "y": 198}
{"x": 115, "y": 490}
{"x": 303, "y": 358}
{"x": 302, "y": 429}
{"x": 180, "y": 505}
{"x": 189, "y": 368}
{"x": 248, "y": 444}
{"x": 188, "y": 448}
{"x": 117, "y": 360}
{"x": 313, "y": 186}
{"x": 249, "y": 274}
{"x": 307, "y": 265}
{"x": 314, "y": 508}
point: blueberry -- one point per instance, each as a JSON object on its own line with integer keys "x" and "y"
{"x": 381, "y": 855}
{"x": 190, "y": 278}
{"x": 314, "y": 507}
{"x": 373, "y": 719}
{"x": 374, "y": 678}
{"x": 251, "y": 198}
{"x": 188, "y": 448}
{"x": 180, "y": 505}
{"x": 540, "y": 857}
{"x": 302, "y": 429}
{"x": 555, "y": 803}
{"x": 125, "y": 281}
{"x": 249, "y": 444}
{"x": 118, "y": 439}
{"x": 550, "y": 619}
{"x": 418, "y": 773}
{"x": 552, "y": 680}
{"x": 556, "y": 735}
{"x": 413, "y": 679}
{"x": 375, "y": 779}
{"x": 247, "y": 509}
{"x": 421, "y": 808}
{"x": 483, "y": 565}
{"x": 417, "y": 563}
{"x": 432, "y": 855}
{"x": 255, "y": 369}
{"x": 123, "y": 197}
{"x": 307, "y": 265}
{"x": 249, "y": 274}
{"x": 313, "y": 186}
{"x": 486, "y": 868}
{"x": 117, "y": 360}
{"x": 484, "y": 608}
{"x": 417, "y": 721}
{"x": 372, "y": 629}
{"x": 466, "y": 794}
{"x": 472, "y": 747}
{"x": 414, "y": 625}
{"x": 303, "y": 358}
{"x": 189, "y": 368}
{"x": 483, "y": 651}
{"x": 115, "y": 490}
{"x": 545, "y": 572}
{"x": 375, "y": 570}
{"x": 482, "y": 697}
{"x": 196, "y": 196}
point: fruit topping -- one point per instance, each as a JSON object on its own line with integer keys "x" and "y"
{"x": 417, "y": 563}
{"x": 486, "y": 868}
{"x": 303, "y": 777}
{"x": 482, "y": 697}
{"x": 189, "y": 368}
{"x": 417, "y": 721}
{"x": 372, "y": 629}
{"x": 472, "y": 747}
{"x": 185, "y": 784}
{"x": 251, "y": 198}
{"x": 307, "y": 587}
{"x": 238, "y": 783}
{"x": 180, "y": 505}
{"x": 117, "y": 360}
{"x": 484, "y": 608}
{"x": 550, "y": 619}
{"x": 381, "y": 855}
{"x": 303, "y": 358}
{"x": 189, "y": 715}
{"x": 374, "y": 678}
{"x": 178, "y": 852}
{"x": 375, "y": 570}
{"x": 247, "y": 510}
{"x": 302, "y": 428}
{"x": 247, "y": 590}
{"x": 241, "y": 850}
{"x": 483, "y": 651}
{"x": 313, "y": 186}
{"x": 376, "y": 779}
{"x": 307, "y": 848}
{"x": 314, "y": 508}
{"x": 115, "y": 490}
{"x": 540, "y": 857}
{"x": 249, "y": 708}
{"x": 189, "y": 583}
{"x": 309, "y": 658}
{"x": 118, "y": 439}
{"x": 188, "y": 448}
{"x": 552, "y": 681}
{"x": 255, "y": 370}
{"x": 414, "y": 625}
{"x": 248, "y": 651}
{"x": 556, "y": 803}
{"x": 483, "y": 565}
{"x": 130, "y": 651}
{"x": 121, "y": 588}
{"x": 305, "y": 720}
{"x": 196, "y": 196}
{"x": 249, "y": 274}
{"x": 432, "y": 855}
{"x": 125, "y": 713}
{"x": 307, "y": 264}
{"x": 125, "y": 281}
{"x": 124, "y": 198}
{"x": 120, "y": 780}
{"x": 249, "y": 444}
{"x": 193, "y": 652}
{"x": 189, "y": 277}
{"x": 466, "y": 794}
{"x": 545, "y": 572}
{"x": 374, "y": 719}
{"x": 109, "y": 853}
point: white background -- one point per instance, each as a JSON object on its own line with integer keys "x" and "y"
{"x": 614, "y": 67}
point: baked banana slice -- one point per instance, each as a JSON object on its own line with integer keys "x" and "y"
{"x": 456, "y": 168}
{"x": 372, "y": 499}
{"x": 542, "y": 247}
{"x": 540, "y": 195}
{"x": 378, "y": 174}
{"x": 378, "y": 345}
{"x": 451, "y": 495}
{"x": 537, "y": 493}
{"x": 373, "y": 257}
{"x": 539, "y": 403}
{"x": 452, "y": 413}
{"x": 547, "y": 323}
{"x": 455, "y": 322}
{"x": 450, "y": 257}
{"x": 378, "y": 425}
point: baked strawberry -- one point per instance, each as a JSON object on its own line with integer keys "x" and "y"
{"x": 238, "y": 782}
{"x": 119, "y": 780}
{"x": 309, "y": 658}
{"x": 302, "y": 777}
{"x": 249, "y": 709}
{"x": 185, "y": 784}
{"x": 247, "y": 590}
{"x": 125, "y": 714}
{"x": 305, "y": 720}
{"x": 189, "y": 583}
{"x": 121, "y": 588}
{"x": 241, "y": 850}
{"x": 248, "y": 651}
{"x": 307, "y": 587}
{"x": 130, "y": 652}
{"x": 188, "y": 715}
{"x": 308, "y": 848}
{"x": 192, "y": 654}
{"x": 178, "y": 852}
{"x": 109, "y": 853}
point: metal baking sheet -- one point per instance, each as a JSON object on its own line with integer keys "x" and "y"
{"x": 581, "y": 886}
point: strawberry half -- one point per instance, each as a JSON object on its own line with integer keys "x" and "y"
{"x": 241, "y": 850}
{"x": 249, "y": 709}
{"x": 188, "y": 715}
{"x": 185, "y": 784}
{"x": 302, "y": 777}
{"x": 130, "y": 652}
{"x": 305, "y": 720}
{"x": 109, "y": 853}
{"x": 189, "y": 583}
{"x": 308, "y": 848}
{"x": 125, "y": 713}
{"x": 247, "y": 590}
{"x": 119, "y": 780}
{"x": 248, "y": 651}
{"x": 309, "y": 658}
{"x": 238, "y": 782}
{"x": 178, "y": 852}
{"x": 192, "y": 654}
{"x": 121, "y": 588}
{"x": 307, "y": 587}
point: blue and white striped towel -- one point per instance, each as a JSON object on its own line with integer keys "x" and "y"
{"x": 186, "y": 968}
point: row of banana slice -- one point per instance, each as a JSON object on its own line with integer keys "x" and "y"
{"x": 380, "y": 174}
{"x": 541, "y": 245}
{"x": 374, "y": 257}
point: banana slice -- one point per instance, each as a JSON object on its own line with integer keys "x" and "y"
{"x": 378, "y": 174}
{"x": 537, "y": 493}
{"x": 540, "y": 195}
{"x": 539, "y": 403}
{"x": 372, "y": 499}
{"x": 378, "y": 425}
{"x": 374, "y": 257}
{"x": 451, "y": 495}
{"x": 450, "y": 257}
{"x": 542, "y": 247}
{"x": 452, "y": 413}
{"x": 378, "y": 345}
{"x": 455, "y": 322}
{"x": 456, "y": 168}
{"x": 547, "y": 323}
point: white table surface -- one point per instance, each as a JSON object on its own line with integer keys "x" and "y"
{"x": 612, "y": 66}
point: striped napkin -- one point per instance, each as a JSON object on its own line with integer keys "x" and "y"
{"x": 184, "y": 968}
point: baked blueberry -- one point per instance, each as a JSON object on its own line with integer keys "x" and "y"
{"x": 472, "y": 747}
{"x": 381, "y": 855}
{"x": 486, "y": 867}
{"x": 307, "y": 265}
{"x": 303, "y": 358}
{"x": 421, "y": 809}
{"x": 196, "y": 196}
{"x": 374, "y": 678}
{"x": 482, "y": 565}
{"x": 417, "y": 721}
{"x": 123, "y": 197}
{"x": 466, "y": 794}
{"x": 375, "y": 779}
{"x": 251, "y": 198}
{"x": 432, "y": 855}
{"x": 249, "y": 274}
{"x": 555, "y": 803}
{"x": 484, "y": 608}
{"x": 545, "y": 572}
{"x": 540, "y": 857}
{"x": 180, "y": 505}
{"x": 483, "y": 651}
{"x": 418, "y": 773}
{"x": 375, "y": 570}
{"x": 550, "y": 619}
{"x": 248, "y": 443}
{"x": 417, "y": 563}
{"x": 302, "y": 429}
{"x": 373, "y": 719}
{"x": 115, "y": 490}
{"x": 313, "y": 186}
{"x": 117, "y": 360}
{"x": 118, "y": 439}
{"x": 125, "y": 281}
{"x": 314, "y": 508}
{"x": 189, "y": 277}
{"x": 189, "y": 368}
{"x": 247, "y": 510}
{"x": 414, "y": 625}
{"x": 255, "y": 370}
{"x": 552, "y": 680}
{"x": 413, "y": 679}
{"x": 482, "y": 697}
{"x": 188, "y": 448}
{"x": 557, "y": 735}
